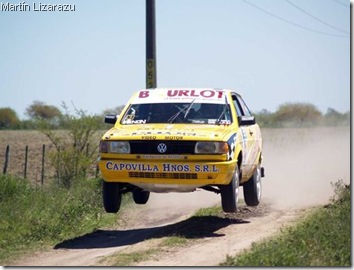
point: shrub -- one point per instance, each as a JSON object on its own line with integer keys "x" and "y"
{"x": 75, "y": 149}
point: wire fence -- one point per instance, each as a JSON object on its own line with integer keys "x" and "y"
{"x": 35, "y": 165}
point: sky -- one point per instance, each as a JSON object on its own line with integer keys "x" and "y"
{"x": 272, "y": 52}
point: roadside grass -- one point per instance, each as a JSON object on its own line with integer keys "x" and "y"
{"x": 174, "y": 241}
{"x": 128, "y": 259}
{"x": 209, "y": 211}
{"x": 321, "y": 239}
{"x": 33, "y": 218}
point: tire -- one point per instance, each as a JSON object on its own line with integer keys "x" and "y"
{"x": 230, "y": 192}
{"x": 252, "y": 189}
{"x": 112, "y": 197}
{"x": 141, "y": 196}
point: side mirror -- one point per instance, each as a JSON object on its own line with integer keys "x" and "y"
{"x": 110, "y": 119}
{"x": 246, "y": 120}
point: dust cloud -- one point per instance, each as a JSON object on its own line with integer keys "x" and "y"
{"x": 300, "y": 165}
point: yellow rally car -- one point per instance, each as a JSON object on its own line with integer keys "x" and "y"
{"x": 179, "y": 140}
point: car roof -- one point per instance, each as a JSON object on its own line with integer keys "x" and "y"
{"x": 181, "y": 95}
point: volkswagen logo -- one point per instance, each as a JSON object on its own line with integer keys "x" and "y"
{"x": 162, "y": 148}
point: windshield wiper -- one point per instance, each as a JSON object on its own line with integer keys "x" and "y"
{"x": 223, "y": 112}
{"x": 188, "y": 109}
{"x": 173, "y": 117}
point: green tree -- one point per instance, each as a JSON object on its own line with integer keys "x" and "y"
{"x": 297, "y": 115}
{"x": 264, "y": 118}
{"x": 335, "y": 118}
{"x": 8, "y": 119}
{"x": 38, "y": 110}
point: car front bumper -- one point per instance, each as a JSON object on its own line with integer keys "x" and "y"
{"x": 192, "y": 173}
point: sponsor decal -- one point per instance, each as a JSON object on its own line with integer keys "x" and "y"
{"x": 194, "y": 93}
{"x": 176, "y": 135}
{"x": 131, "y": 167}
{"x": 187, "y": 93}
{"x": 205, "y": 168}
{"x": 164, "y": 167}
{"x": 148, "y": 137}
{"x": 174, "y": 138}
{"x": 130, "y": 121}
{"x": 162, "y": 156}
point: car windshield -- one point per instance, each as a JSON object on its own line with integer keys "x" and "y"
{"x": 192, "y": 113}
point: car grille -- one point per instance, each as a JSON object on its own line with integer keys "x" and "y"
{"x": 151, "y": 147}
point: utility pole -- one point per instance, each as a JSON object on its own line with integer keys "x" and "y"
{"x": 150, "y": 45}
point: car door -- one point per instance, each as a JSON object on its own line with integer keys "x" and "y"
{"x": 249, "y": 133}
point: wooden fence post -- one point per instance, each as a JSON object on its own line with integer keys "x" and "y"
{"x": 58, "y": 164}
{"x": 7, "y": 154}
{"x": 26, "y": 159}
{"x": 43, "y": 154}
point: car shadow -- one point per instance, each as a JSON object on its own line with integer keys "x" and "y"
{"x": 193, "y": 227}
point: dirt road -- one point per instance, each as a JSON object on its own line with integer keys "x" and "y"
{"x": 300, "y": 166}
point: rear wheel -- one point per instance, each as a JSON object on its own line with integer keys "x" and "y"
{"x": 141, "y": 196}
{"x": 252, "y": 189}
{"x": 112, "y": 197}
{"x": 229, "y": 193}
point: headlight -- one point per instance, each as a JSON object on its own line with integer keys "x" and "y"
{"x": 211, "y": 148}
{"x": 119, "y": 147}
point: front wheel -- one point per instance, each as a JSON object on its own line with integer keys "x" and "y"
{"x": 252, "y": 189}
{"x": 112, "y": 197}
{"x": 229, "y": 193}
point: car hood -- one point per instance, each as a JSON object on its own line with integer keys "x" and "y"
{"x": 169, "y": 132}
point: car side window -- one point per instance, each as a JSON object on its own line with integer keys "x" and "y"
{"x": 242, "y": 106}
{"x": 237, "y": 105}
